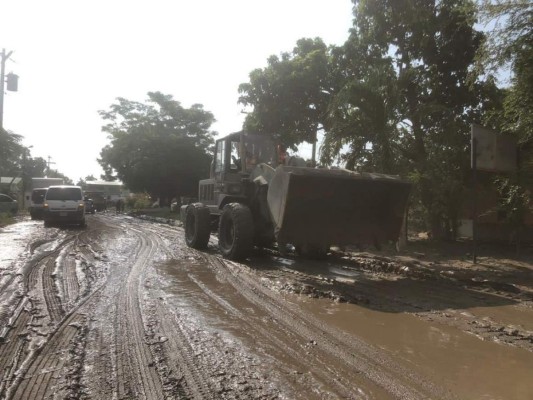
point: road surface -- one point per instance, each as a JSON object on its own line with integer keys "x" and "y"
{"x": 122, "y": 309}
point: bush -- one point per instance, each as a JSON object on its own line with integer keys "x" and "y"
{"x": 6, "y": 219}
{"x": 138, "y": 201}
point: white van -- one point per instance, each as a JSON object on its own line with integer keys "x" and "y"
{"x": 64, "y": 204}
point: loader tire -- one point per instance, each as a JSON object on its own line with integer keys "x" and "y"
{"x": 197, "y": 226}
{"x": 236, "y": 231}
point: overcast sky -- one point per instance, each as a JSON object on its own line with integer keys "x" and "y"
{"x": 74, "y": 58}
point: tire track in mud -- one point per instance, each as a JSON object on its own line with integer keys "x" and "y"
{"x": 354, "y": 358}
{"x": 47, "y": 366}
{"x": 70, "y": 283}
{"x": 420, "y": 302}
{"x": 171, "y": 358}
{"x": 49, "y": 290}
{"x": 290, "y": 331}
{"x": 181, "y": 374}
{"x": 27, "y": 324}
{"x": 182, "y": 377}
{"x": 134, "y": 358}
{"x": 12, "y": 353}
{"x": 174, "y": 345}
{"x": 122, "y": 361}
{"x": 102, "y": 331}
{"x": 34, "y": 349}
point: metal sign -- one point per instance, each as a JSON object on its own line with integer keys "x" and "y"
{"x": 493, "y": 152}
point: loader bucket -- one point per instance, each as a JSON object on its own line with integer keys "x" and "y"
{"x": 336, "y": 206}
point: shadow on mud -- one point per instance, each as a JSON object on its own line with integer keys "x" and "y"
{"x": 66, "y": 226}
{"x": 387, "y": 285}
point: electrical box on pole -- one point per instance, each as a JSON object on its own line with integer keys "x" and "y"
{"x": 12, "y": 81}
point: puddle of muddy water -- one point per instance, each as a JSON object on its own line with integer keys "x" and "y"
{"x": 507, "y": 315}
{"x": 469, "y": 367}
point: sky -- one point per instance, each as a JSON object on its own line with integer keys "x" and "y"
{"x": 74, "y": 58}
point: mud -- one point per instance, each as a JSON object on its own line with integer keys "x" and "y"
{"x": 124, "y": 310}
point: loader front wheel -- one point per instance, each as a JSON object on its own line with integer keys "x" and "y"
{"x": 197, "y": 226}
{"x": 235, "y": 231}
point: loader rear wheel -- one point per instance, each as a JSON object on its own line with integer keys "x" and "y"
{"x": 197, "y": 226}
{"x": 236, "y": 231}
{"x": 312, "y": 251}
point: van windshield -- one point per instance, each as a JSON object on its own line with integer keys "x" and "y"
{"x": 63, "y": 194}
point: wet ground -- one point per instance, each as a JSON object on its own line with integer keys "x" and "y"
{"x": 124, "y": 310}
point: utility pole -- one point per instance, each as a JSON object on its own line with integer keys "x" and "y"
{"x": 48, "y": 166}
{"x": 2, "y": 79}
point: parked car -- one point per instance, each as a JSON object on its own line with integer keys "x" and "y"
{"x": 89, "y": 206}
{"x": 64, "y": 204}
{"x": 8, "y": 204}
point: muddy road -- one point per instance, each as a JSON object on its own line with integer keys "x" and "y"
{"x": 124, "y": 310}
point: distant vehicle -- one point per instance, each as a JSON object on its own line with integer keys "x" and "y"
{"x": 36, "y": 207}
{"x": 37, "y": 203}
{"x": 112, "y": 191}
{"x": 8, "y": 204}
{"x": 64, "y": 204}
{"x": 98, "y": 198}
{"x": 89, "y": 206}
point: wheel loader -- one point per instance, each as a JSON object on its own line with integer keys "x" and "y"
{"x": 255, "y": 198}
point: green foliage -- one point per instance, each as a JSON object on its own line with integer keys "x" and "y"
{"x": 289, "y": 97}
{"x": 56, "y": 174}
{"x": 510, "y": 44}
{"x": 401, "y": 94}
{"x": 16, "y": 159}
{"x": 11, "y": 151}
{"x": 82, "y": 182}
{"x": 405, "y": 105}
{"x": 6, "y": 219}
{"x": 514, "y": 201}
{"x": 158, "y": 147}
{"x": 362, "y": 119}
{"x": 138, "y": 201}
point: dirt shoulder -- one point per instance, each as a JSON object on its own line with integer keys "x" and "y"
{"x": 497, "y": 265}
{"x": 440, "y": 283}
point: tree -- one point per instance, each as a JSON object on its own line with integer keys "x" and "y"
{"x": 158, "y": 147}
{"x": 83, "y": 181}
{"x": 406, "y": 104}
{"x": 16, "y": 161}
{"x": 11, "y": 152}
{"x": 289, "y": 97}
{"x": 362, "y": 119}
{"x": 56, "y": 174}
{"x": 509, "y": 45}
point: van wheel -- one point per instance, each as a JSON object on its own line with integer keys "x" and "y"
{"x": 197, "y": 226}
{"x": 235, "y": 231}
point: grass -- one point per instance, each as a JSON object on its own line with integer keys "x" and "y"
{"x": 6, "y": 219}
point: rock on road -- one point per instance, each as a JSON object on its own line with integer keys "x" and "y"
{"x": 124, "y": 310}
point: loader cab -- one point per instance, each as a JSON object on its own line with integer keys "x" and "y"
{"x": 236, "y": 155}
{"x": 240, "y": 153}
